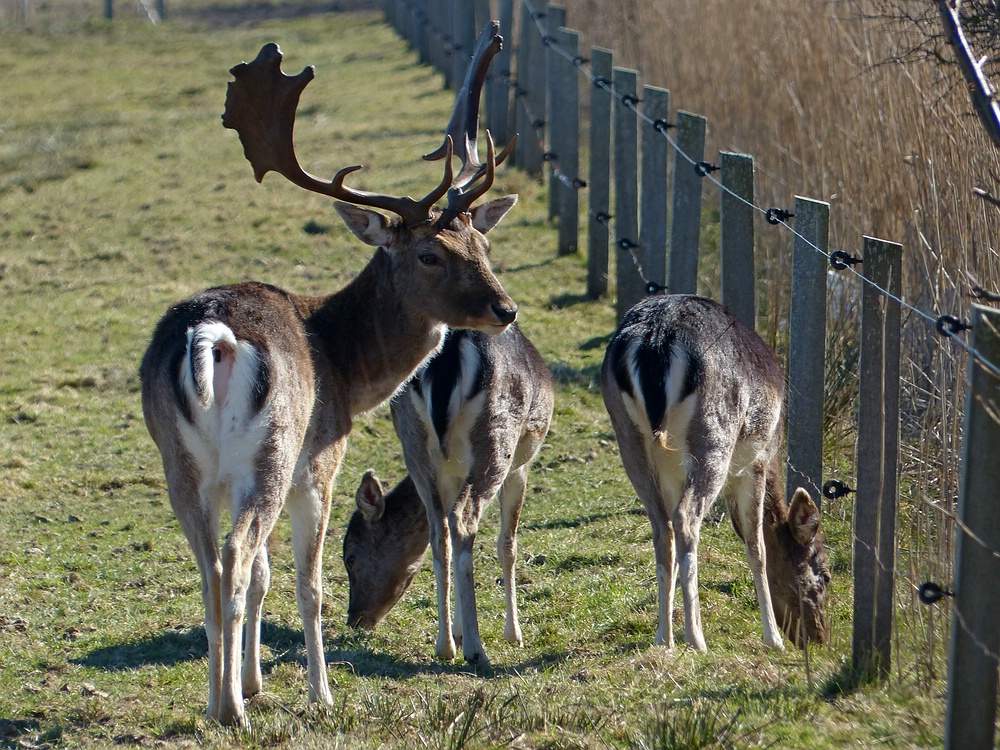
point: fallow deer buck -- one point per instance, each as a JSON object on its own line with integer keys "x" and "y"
{"x": 249, "y": 391}
{"x": 695, "y": 399}
{"x": 470, "y": 423}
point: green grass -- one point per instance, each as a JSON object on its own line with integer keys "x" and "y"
{"x": 121, "y": 193}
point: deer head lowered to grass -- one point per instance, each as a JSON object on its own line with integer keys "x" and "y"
{"x": 695, "y": 399}
{"x": 249, "y": 391}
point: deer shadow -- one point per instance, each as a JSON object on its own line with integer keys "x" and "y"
{"x": 177, "y": 646}
{"x": 287, "y": 645}
{"x": 362, "y": 661}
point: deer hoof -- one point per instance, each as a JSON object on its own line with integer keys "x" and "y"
{"x": 478, "y": 660}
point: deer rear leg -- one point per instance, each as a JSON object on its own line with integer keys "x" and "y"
{"x": 440, "y": 540}
{"x": 511, "y": 500}
{"x": 260, "y": 580}
{"x": 750, "y": 493}
{"x": 309, "y": 508}
{"x": 463, "y": 533}
{"x": 657, "y": 477}
{"x": 704, "y": 483}
{"x": 250, "y": 530}
{"x": 686, "y": 541}
{"x": 196, "y": 509}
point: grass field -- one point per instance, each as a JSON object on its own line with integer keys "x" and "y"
{"x": 120, "y": 193}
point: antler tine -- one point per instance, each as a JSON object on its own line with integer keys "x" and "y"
{"x": 463, "y": 128}
{"x": 461, "y": 197}
{"x": 260, "y": 107}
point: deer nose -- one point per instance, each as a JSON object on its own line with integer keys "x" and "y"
{"x": 504, "y": 315}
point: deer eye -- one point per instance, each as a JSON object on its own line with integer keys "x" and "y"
{"x": 349, "y": 562}
{"x": 429, "y": 259}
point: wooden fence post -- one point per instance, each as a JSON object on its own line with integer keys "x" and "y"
{"x": 463, "y": 39}
{"x": 653, "y": 192}
{"x": 975, "y": 639}
{"x": 499, "y": 108}
{"x": 630, "y": 285}
{"x": 530, "y": 94}
{"x": 685, "y": 217}
{"x": 599, "y": 182}
{"x": 555, "y": 17}
{"x": 565, "y": 108}
{"x": 877, "y": 460}
{"x": 736, "y": 240}
{"x": 483, "y": 15}
{"x": 806, "y": 347}
{"x": 418, "y": 26}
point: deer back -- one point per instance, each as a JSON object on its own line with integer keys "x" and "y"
{"x": 693, "y": 371}
{"x": 465, "y": 416}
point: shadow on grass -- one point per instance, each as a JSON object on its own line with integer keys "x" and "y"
{"x": 353, "y": 653}
{"x": 349, "y": 651}
{"x": 14, "y": 733}
{"x": 574, "y": 523}
{"x": 176, "y": 646}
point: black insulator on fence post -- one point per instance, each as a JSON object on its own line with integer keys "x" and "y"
{"x": 931, "y": 593}
{"x": 777, "y": 215}
{"x": 949, "y": 325}
{"x": 835, "y": 489}
{"x": 661, "y": 126}
{"x": 840, "y": 260}
{"x": 704, "y": 168}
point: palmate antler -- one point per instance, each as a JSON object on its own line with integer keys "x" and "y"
{"x": 261, "y": 105}
{"x": 463, "y": 129}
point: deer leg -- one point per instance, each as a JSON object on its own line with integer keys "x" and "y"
{"x": 750, "y": 491}
{"x": 260, "y": 580}
{"x": 704, "y": 482}
{"x": 252, "y": 526}
{"x": 686, "y": 539}
{"x": 440, "y": 540}
{"x": 511, "y": 500}
{"x": 199, "y": 520}
{"x": 656, "y": 476}
{"x": 309, "y": 508}
{"x": 463, "y": 521}
{"x": 666, "y": 577}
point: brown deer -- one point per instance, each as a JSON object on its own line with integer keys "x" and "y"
{"x": 470, "y": 423}
{"x": 695, "y": 399}
{"x": 249, "y": 391}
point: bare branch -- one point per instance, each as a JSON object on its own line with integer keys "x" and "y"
{"x": 982, "y": 93}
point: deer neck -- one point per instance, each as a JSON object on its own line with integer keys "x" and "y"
{"x": 370, "y": 335}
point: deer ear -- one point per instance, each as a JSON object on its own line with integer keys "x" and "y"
{"x": 369, "y": 497}
{"x": 488, "y": 215}
{"x": 803, "y": 517}
{"x": 369, "y": 226}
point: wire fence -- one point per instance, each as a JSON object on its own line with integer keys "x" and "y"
{"x": 947, "y": 324}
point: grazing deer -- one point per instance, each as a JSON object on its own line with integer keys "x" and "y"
{"x": 695, "y": 399}
{"x": 470, "y": 422}
{"x": 249, "y": 391}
